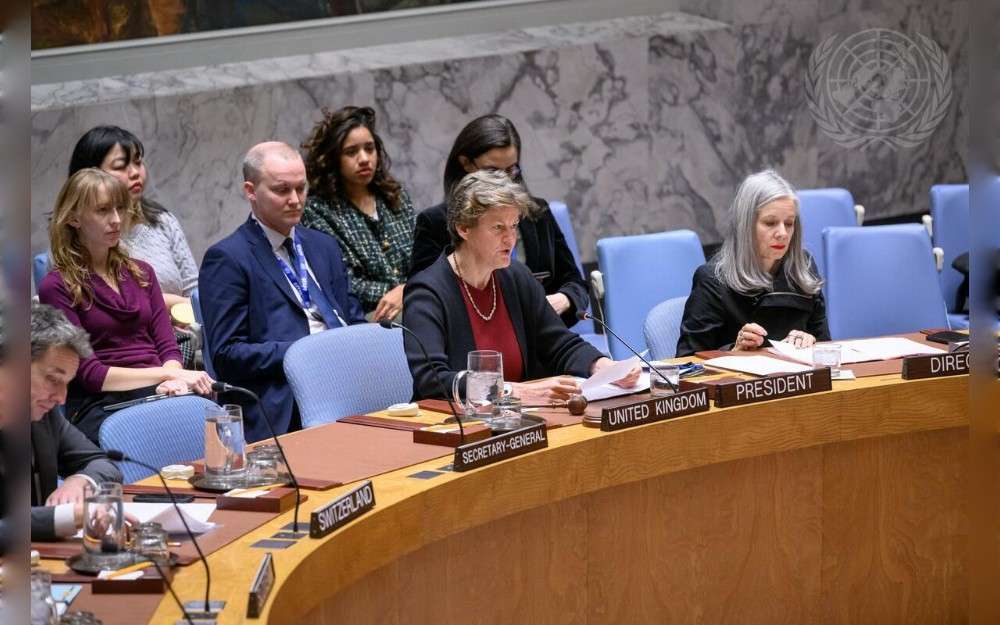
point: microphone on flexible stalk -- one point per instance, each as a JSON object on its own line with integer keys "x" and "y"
{"x": 120, "y": 456}
{"x": 222, "y": 387}
{"x": 388, "y": 324}
{"x": 583, "y": 315}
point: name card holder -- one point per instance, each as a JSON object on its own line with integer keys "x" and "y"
{"x": 935, "y": 365}
{"x": 150, "y": 583}
{"x": 516, "y": 443}
{"x": 260, "y": 587}
{"x": 279, "y": 499}
{"x": 342, "y": 510}
{"x": 773, "y": 387}
{"x": 655, "y": 409}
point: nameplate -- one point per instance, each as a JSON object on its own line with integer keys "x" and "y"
{"x": 653, "y": 410}
{"x": 342, "y": 510}
{"x": 773, "y": 387}
{"x": 260, "y": 587}
{"x": 482, "y": 453}
{"x": 935, "y": 365}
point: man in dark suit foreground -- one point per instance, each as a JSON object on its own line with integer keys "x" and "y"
{"x": 57, "y": 447}
{"x": 269, "y": 284}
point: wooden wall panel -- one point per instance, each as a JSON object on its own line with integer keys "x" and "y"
{"x": 894, "y": 528}
{"x": 736, "y": 542}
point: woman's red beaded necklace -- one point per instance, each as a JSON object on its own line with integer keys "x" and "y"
{"x": 465, "y": 285}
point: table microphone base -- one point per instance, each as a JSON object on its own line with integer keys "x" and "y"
{"x": 196, "y": 609}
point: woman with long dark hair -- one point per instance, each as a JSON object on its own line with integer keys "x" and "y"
{"x": 492, "y": 142}
{"x": 762, "y": 284}
{"x": 354, "y": 197}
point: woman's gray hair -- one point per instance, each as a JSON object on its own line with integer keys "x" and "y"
{"x": 480, "y": 191}
{"x": 50, "y": 328}
{"x": 737, "y": 265}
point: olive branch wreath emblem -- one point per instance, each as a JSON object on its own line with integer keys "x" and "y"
{"x": 843, "y": 132}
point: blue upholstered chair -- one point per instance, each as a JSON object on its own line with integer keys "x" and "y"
{"x": 39, "y": 267}
{"x": 822, "y": 208}
{"x": 950, "y": 232}
{"x": 347, "y": 371}
{"x": 206, "y": 350}
{"x": 663, "y": 328}
{"x": 584, "y": 328}
{"x": 881, "y": 280}
{"x": 641, "y": 271}
{"x": 168, "y": 431}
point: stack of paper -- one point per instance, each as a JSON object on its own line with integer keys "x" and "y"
{"x": 599, "y": 386}
{"x": 860, "y": 350}
{"x": 756, "y": 365}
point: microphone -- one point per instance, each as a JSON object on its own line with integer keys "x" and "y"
{"x": 222, "y": 387}
{"x": 120, "y": 456}
{"x": 583, "y": 315}
{"x": 389, "y": 324}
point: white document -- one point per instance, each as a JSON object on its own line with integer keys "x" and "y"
{"x": 804, "y": 355}
{"x": 196, "y": 515}
{"x": 606, "y": 391}
{"x": 616, "y": 371}
{"x": 756, "y": 365}
{"x": 889, "y": 347}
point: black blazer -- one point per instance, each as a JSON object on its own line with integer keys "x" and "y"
{"x": 714, "y": 313}
{"x": 59, "y": 449}
{"x": 434, "y": 309}
{"x": 544, "y": 245}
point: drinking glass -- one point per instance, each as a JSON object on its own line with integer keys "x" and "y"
{"x": 483, "y": 384}
{"x": 658, "y": 386}
{"x": 265, "y": 466}
{"x": 225, "y": 451}
{"x": 104, "y": 523}
{"x": 150, "y": 541}
{"x": 827, "y": 355}
{"x": 506, "y": 414}
{"x": 43, "y": 606}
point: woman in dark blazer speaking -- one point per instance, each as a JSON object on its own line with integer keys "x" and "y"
{"x": 473, "y": 297}
{"x": 492, "y": 142}
{"x": 762, "y": 284}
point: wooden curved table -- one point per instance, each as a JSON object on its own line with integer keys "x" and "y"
{"x": 840, "y": 507}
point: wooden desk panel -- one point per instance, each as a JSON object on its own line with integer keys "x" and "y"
{"x": 841, "y": 507}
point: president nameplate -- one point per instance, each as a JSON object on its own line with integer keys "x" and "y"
{"x": 342, "y": 510}
{"x": 935, "y": 365}
{"x": 653, "y": 410}
{"x": 482, "y": 453}
{"x": 773, "y": 387}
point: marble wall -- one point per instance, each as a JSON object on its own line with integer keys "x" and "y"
{"x": 639, "y": 124}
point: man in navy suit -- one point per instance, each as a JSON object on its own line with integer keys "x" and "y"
{"x": 269, "y": 284}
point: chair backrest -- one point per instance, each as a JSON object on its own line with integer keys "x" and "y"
{"x": 641, "y": 271}
{"x": 950, "y": 215}
{"x": 39, "y": 267}
{"x": 561, "y": 214}
{"x": 663, "y": 328}
{"x": 168, "y": 431}
{"x": 347, "y": 371}
{"x": 819, "y": 209}
{"x": 881, "y": 280}
{"x": 206, "y": 349}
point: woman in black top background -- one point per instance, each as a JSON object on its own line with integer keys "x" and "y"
{"x": 762, "y": 284}
{"x": 492, "y": 142}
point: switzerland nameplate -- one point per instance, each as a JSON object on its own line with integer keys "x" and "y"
{"x": 935, "y": 365}
{"x": 653, "y": 410}
{"x": 482, "y": 453}
{"x": 342, "y": 510}
{"x": 772, "y": 387}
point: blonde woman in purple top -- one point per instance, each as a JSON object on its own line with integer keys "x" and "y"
{"x": 115, "y": 298}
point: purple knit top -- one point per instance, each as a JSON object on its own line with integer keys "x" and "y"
{"x": 127, "y": 329}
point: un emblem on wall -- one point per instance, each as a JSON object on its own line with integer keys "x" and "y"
{"x": 878, "y": 86}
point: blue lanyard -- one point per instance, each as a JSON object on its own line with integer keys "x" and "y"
{"x": 300, "y": 281}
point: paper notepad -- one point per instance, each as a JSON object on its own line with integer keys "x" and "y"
{"x": 756, "y": 365}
